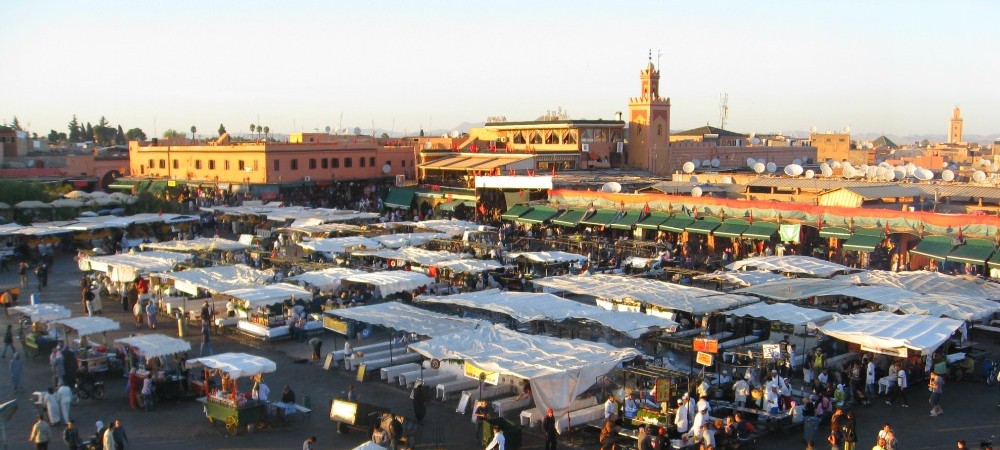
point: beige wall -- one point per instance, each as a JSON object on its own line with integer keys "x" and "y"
{"x": 730, "y": 157}
{"x": 833, "y": 146}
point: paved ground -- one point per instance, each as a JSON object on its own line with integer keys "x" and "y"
{"x": 971, "y": 408}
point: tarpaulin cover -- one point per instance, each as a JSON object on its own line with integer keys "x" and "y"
{"x": 43, "y": 312}
{"x": 156, "y": 345}
{"x": 87, "y": 325}
{"x": 469, "y": 265}
{"x": 392, "y": 282}
{"x": 804, "y": 265}
{"x": 332, "y": 246}
{"x": 127, "y": 266}
{"x": 782, "y": 312}
{"x": 414, "y": 255}
{"x": 657, "y": 293}
{"x": 269, "y": 295}
{"x": 408, "y": 239}
{"x": 326, "y": 279}
{"x": 741, "y": 278}
{"x": 198, "y": 245}
{"x": 553, "y": 257}
{"x": 570, "y": 218}
{"x": 399, "y": 316}
{"x": 892, "y": 331}
{"x": 559, "y": 369}
{"x": 529, "y": 306}
{"x": 453, "y": 227}
{"x": 237, "y": 365}
{"x": 926, "y": 282}
{"x": 218, "y": 279}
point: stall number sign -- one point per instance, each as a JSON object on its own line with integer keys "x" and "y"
{"x": 704, "y": 359}
{"x": 772, "y": 351}
{"x": 662, "y": 390}
{"x": 706, "y": 345}
{"x": 332, "y": 324}
{"x": 476, "y": 373}
{"x": 898, "y": 351}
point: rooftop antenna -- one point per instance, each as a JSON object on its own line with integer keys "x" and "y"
{"x": 340, "y": 125}
{"x": 723, "y": 110}
{"x": 658, "y": 55}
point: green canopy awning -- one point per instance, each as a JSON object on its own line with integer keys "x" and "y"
{"x": 156, "y": 187}
{"x": 703, "y": 226}
{"x": 570, "y": 218}
{"x": 761, "y": 230}
{"x": 452, "y": 204}
{"x": 934, "y": 247}
{"x": 653, "y": 220}
{"x": 862, "y": 242}
{"x": 401, "y": 198}
{"x": 974, "y": 251}
{"x": 515, "y": 212}
{"x": 677, "y": 223}
{"x": 732, "y": 228}
{"x": 625, "y": 222}
{"x": 538, "y": 214}
{"x": 601, "y": 218}
{"x": 870, "y": 232}
{"x": 995, "y": 260}
{"x": 834, "y": 232}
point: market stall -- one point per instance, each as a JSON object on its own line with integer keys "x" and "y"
{"x": 224, "y": 401}
{"x": 96, "y": 358}
{"x": 925, "y": 282}
{"x": 331, "y": 247}
{"x": 326, "y": 280}
{"x": 159, "y": 357}
{"x": 398, "y": 316}
{"x": 274, "y": 311}
{"x": 128, "y": 266}
{"x": 792, "y": 265}
{"x": 40, "y": 338}
{"x": 409, "y": 255}
{"x": 197, "y": 245}
{"x": 392, "y": 282}
{"x": 401, "y": 240}
{"x": 452, "y": 227}
{"x": 214, "y": 280}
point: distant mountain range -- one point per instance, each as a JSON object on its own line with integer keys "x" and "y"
{"x": 909, "y": 138}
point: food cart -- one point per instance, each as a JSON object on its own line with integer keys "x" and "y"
{"x": 40, "y": 338}
{"x": 97, "y": 358}
{"x": 169, "y": 375}
{"x": 265, "y": 314}
{"x": 224, "y": 402}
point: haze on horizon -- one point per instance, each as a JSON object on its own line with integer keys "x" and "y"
{"x": 895, "y": 67}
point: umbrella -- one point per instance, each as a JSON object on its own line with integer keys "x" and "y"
{"x": 32, "y": 204}
{"x": 66, "y": 203}
{"x": 77, "y": 195}
{"x": 4, "y": 205}
{"x": 88, "y": 214}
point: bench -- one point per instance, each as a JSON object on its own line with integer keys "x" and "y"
{"x": 407, "y": 378}
{"x": 509, "y": 405}
{"x": 533, "y": 417}
{"x": 353, "y": 362}
{"x": 338, "y": 355}
{"x": 489, "y": 392}
{"x": 433, "y": 380}
{"x": 389, "y": 374}
{"x": 444, "y": 390}
{"x": 579, "y": 417}
{"x": 377, "y": 364}
{"x": 739, "y": 341}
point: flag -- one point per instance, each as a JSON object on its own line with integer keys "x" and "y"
{"x": 520, "y": 193}
{"x": 960, "y": 237}
{"x": 512, "y": 172}
{"x": 751, "y": 217}
{"x": 482, "y": 209}
{"x": 160, "y": 212}
{"x": 645, "y": 209}
{"x": 553, "y": 170}
{"x": 887, "y": 229}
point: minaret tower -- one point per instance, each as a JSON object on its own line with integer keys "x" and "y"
{"x": 955, "y": 128}
{"x": 649, "y": 124}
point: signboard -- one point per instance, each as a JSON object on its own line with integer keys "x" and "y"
{"x": 772, "y": 351}
{"x": 706, "y": 345}
{"x": 476, "y": 373}
{"x": 361, "y": 372}
{"x": 343, "y": 411}
{"x": 704, "y": 359}
{"x": 333, "y": 324}
{"x": 899, "y": 352}
{"x": 171, "y": 183}
{"x": 662, "y": 390}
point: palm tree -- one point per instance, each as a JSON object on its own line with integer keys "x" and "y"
{"x": 267, "y": 130}
{"x": 259, "y": 130}
{"x": 252, "y": 128}
{"x": 194, "y": 130}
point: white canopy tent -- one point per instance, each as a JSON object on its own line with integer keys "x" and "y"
{"x": 409, "y": 239}
{"x": 87, "y": 325}
{"x": 204, "y": 244}
{"x": 333, "y": 246}
{"x": 392, "y": 282}
{"x": 559, "y": 369}
{"x": 399, "y": 316}
{"x": 472, "y": 266}
{"x": 794, "y": 264}
{"x": 926, "y": 282}
{"x": 741, "y": 278}
{"x": 791, "y": 289}
{"x": 413, "y": 255}
{"x": 43, "y": 312}
{"x": 782, "y": 312}
{"x": 269, "y": 294}
{"x": 528, "y": 306}
{"x": 321, "y": 228}
{"x": 552, "y": 257}
{"x": 237, "y": 365}
{"x": 217, "y": 279}
{"x": 128, "y": 266}
{"x": 156, "y": 345}
{"x": 326, "y": 279}
{"x": 651, "y": 292}
{"x": 453, "y": 227}
{"x": 892, "y": 332}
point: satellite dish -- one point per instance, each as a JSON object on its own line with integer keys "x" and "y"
{"x": 454, "y": 134}
{"x": 835, "y": 165}
{"x": 900, "y": 172}
{"x": 696, "y": 162}
{"x": 706, "y": 163}
{"x": 824, "y": 167}
{"x": 688, "y": 167}
{"x": 847, "y": 129}
{"x": 727, "y": 180}
{"x": 751, "y": 162}
{"x": 753, "y": 134}
{"x": 880, "y": 172}
{"x": 813, "y": 128}
{"x": 825, "y": 170}
{"x": 386, "y": 168}
{"x": 759, "y": 167}
{"x": 845, "y": 165}
{"x": 870, "y": 172}
{"x": 889, "y": 175}
{"x": 716, "y": 163}
{"x": 910, "y": 169}
{"x": 848, "y": 172}
{"x": 693, "y": 179}
{"x": 810, "y": 174}
{"x": 612, "y": 187}
{"x": 797, "y": 161}
{"x": 793, "y": 170}
{"x": 863, "y": 167}
{"x": 979, "y": 176}
{"x": 696, "y": 191}
{"x": 994, "y": 167}
{"x": 948, "y": 175}
{"x": 923, "y": 174}
{"x": 772, "y": 167}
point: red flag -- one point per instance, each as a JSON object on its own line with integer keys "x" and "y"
{"x": 553, "y": 170}
{"x": 482, "y": 209}
{"x": 887, "y": 229}
{"x": 512, "y": 172}
{"x": 645, "y": 209}
{"x": 819, "y": 224}
{"x": 960, "y": 237}
{"x": 520, "y": 193}
{"x": 751, "y": 217}
{"x": 449, "y": 197}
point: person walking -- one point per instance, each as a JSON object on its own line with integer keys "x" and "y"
{"x": 137, "y": 312}
{"x": 65, "y": 396}
{"x": 88, "y": 300}
{"x": 309, "y": 443}
{"x": 22, "y": 273}
{"x": 419, "y": 397}
{"x": 52, "y": 406}
{"x": 147, "y": 393}
{"x": 151, "y": 315}
{"x": 848, "y": 431}
{"x": 936, "y": 386}
{"x": 40, "y": 434}
{"x": 42, "y": 274}
{"x": 499, "y": 442}
{"x": 549, "y": 428}
{"x": 206, "y": 340}
{"x": 16, "y": 369}
{"x": 119, "y": 435}
{"x": 100, "y": 297}
{"x": 108, "y": 438}
{"x": 71, "y": 436}
{"x": 8, "y": 341}
{"x": 901, "y": 384}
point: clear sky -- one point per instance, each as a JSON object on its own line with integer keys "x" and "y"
{"x": 879, "y": 66}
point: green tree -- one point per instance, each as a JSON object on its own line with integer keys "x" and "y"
{"x": 267, "y": 130}
{"x": 120, "y": 136}
{"x": 385, "y": 136}
{"x": 253, "y": 129}
{"x": 103, "y": 122}
{"x": 88, "y": 133}
{"x": 74, "y": 130}
{"x": 194, "y": 130}
{"x": 53, "y": 136}
{"x": 259, "y": 130}
{"x": 135, "y": 134}
{"x": 16, "y": 125}
{"x": 222, "y": 129}
{"x": 172, "y": 133}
